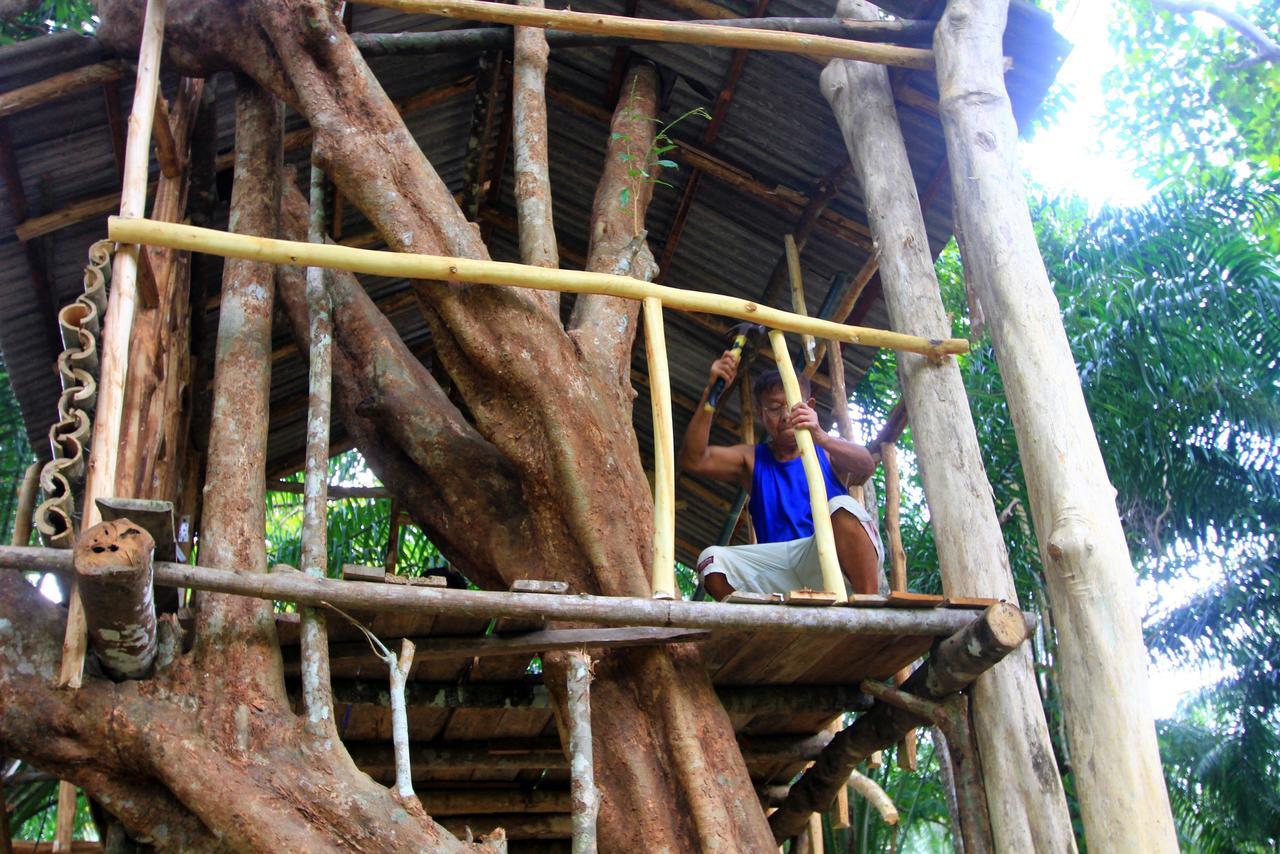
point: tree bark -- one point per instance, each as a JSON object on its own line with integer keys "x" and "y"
{"x": 1027, "y": 803}
{"x": 529, "y": 139}
{"x": 555, "y": 418}
{"x": 1123, "y": 799}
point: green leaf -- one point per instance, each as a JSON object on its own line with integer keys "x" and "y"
{"x": 624, "y": 197}
{"x": 670, "y": 164}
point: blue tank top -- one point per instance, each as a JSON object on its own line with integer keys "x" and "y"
{"x": 780, "y": 496}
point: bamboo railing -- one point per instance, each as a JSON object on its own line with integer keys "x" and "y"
{"x": 654, "y": 298}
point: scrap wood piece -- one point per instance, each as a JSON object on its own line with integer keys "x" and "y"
{"x": 876, "y": 796}
{"x": 114, "y": 571}
{"x": 903, "y": 599}
{"x": 810, "y": 597}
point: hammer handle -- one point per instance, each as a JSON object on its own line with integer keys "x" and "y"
{"x": 717, "y": 388}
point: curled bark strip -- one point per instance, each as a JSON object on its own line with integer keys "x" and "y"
{"x": 603, "y": 326}
{"x": 876, "y": 796}
{"x": 114, "y": 569}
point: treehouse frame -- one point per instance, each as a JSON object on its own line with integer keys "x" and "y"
{"x": 883, "y": 634}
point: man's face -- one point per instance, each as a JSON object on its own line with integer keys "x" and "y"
{"x": 773, "y": 414}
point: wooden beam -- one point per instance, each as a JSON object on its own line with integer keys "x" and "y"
{"x": 677, "y": 32}
{"x": 58, "y": 86}
{"x": 953, "y": 666}
{"x": 451, "y": 802}
{"x": 167, "y": 152}
{"x": 433, "y": 267}
{"x": 602, "y": 610}
{"x": 335, "y": 492}
{"x": 663, "y": 570}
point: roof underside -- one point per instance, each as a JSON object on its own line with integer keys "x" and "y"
{"x": 778, "y": 130}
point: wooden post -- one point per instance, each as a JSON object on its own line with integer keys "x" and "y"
{"x": 113, "y": 562}
{"x": 317, "y": 695}
{"x": 797, "y": 292}
{"x": 824, "y": 538}
{"x": 897, "y": 572}
{"x": 1102, "y": 662}
{"x": 585, "y": 798}
{"x": 1028, "y": 811}
{"x": 121, "y": 305}
{"x": 664, "y": 454}
{"x": 67, "y": 796}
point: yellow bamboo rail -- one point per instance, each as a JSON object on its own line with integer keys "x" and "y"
{"x": 823, "y": 537}
{"x": 664, "y": 454}
{"x": 679, "y": 32}
{"x": 435, "y": 267}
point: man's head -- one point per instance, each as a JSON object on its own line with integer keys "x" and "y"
{"x": 771, "y": 404}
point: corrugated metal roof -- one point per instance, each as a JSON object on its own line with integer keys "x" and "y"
{"x": 779, "y": 129}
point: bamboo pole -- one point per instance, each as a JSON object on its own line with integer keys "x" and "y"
{"x": 440, "y": 268}
{"x": 317, "y": 695}
{"x": 664, "y": 454}
{"x": 582, "y": 782}
{"x": 118, "y": 324}
{"x": 797, "y": 293}
{"x": 824, "y": 537}
{"x": 678, "y": 32}
{"x": 876, "y": 796}
{"x": 603, "y": 610}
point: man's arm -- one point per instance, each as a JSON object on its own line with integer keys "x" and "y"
{"x": 731, "y": 464}
{"x": 847, "y": 458}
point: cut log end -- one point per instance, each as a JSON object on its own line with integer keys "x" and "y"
{"x": 1007, "y": 625}
{"x": 112, "y": 549}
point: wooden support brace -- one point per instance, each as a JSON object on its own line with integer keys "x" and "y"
{"x": 166, "y": 147}
{"x": 824, "y": 537}
{"x": 113, "y": 562}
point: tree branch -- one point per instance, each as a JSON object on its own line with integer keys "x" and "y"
{"x": 1268, "y": 48}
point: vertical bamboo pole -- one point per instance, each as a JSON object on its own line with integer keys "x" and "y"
{"x": 893, "y": 517}
{"x": 66, "y": 817}
{"x": 824, "y": 538}
{"x": 664, "y": 454}
{"x": 1124, "y": 802}
{"x": 317, "y": 696}
{"x": 118, "y": 324}
{"x": 797, "y": 293}
{"x": 814, "y": 831}
{"x": 585, "y": 798}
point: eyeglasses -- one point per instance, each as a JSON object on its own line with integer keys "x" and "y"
{"x": 775, "y": 411}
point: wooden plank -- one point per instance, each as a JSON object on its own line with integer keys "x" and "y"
{"x": 868, "y": 600}
{"x": 413, "y": 580}
{"x": 751, "y": 597}
{"x": 58, "y": 86}
{"x": 538, "y": 585}
{"x": 973, "y": 602}
{"x": 902, "y": 599}
{"x": 353, "y": 572}
{"x": 810, "y": 598}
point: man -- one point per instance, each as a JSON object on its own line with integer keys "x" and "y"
{"x": 785, "y": 558}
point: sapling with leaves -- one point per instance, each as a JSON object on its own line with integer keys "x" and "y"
{"x": 644, "y": 165}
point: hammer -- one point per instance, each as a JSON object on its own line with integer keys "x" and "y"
{"x": 743, "y": 333}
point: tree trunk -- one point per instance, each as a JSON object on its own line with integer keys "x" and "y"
{"x": 1025, "y": 796}
{"x": 1106, "y": 701}
{"x": 544, "y": 459}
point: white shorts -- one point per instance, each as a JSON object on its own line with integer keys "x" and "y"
{"x": 783, "y": 567}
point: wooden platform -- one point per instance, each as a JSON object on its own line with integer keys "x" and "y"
{"x": 483, "y": 724}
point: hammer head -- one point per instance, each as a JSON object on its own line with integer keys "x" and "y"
{"x": 744, "y": 334}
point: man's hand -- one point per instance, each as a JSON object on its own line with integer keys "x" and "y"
{"x": 725, "y": 368}
{"x": 803, "y": 416}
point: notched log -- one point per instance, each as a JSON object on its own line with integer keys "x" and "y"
{"x": 113, "y": 562}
